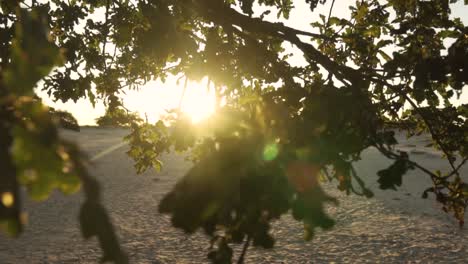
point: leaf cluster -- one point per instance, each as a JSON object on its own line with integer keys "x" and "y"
{"x": 31, "y": 152}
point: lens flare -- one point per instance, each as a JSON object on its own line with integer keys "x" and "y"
{"x": 270, "y": 152}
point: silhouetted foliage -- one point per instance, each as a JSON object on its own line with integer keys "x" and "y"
{"x": 31, "y": 152}
{"x": 282, "y": 127}
{"x": 64, "y": 119}
{"x": 117, "y": 117}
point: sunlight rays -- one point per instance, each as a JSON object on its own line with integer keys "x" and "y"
{"x": 156, "y": 98}
{"x": 198, "y": 102}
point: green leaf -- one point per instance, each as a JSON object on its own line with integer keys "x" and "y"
{"x": 27, "y": 65}
{"x": 385, "y": 55}
{"x": 391, "y": 177}
{"x": 11, "y": 227}
{"x": 334, "y": 21}
{"x": 322, "y": 17}
{"x": 157, "y": 165}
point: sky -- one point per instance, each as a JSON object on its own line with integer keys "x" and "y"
{"x": 156, "y": 97}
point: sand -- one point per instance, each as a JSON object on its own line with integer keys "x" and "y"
{"x": 393, "y": 227}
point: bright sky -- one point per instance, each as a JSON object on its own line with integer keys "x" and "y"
{"x": 157, "y": 97}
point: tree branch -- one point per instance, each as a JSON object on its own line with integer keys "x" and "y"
{"x": 222, "y": 14}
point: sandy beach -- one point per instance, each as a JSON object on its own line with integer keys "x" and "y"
{"x": 393, "y": 227}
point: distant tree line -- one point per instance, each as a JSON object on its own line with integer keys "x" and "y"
{"x": 118, "y": 117}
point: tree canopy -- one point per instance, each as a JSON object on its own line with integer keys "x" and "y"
{"x": 117, "y": 117}
{"x": 281, "y": 127}
{"x": 65, "y": 119}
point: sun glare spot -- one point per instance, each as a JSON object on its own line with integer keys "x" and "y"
{"x": 8, "y": 199}
{"x": 198, "y": 102}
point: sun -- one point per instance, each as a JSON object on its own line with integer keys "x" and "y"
{"x": 198, "y": 101}
{"x": 157, "y": 98}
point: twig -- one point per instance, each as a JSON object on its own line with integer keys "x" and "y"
{"x": 244, "y": 250}
{"x": 183, "y": 93}
{"x": 330, "y": 12}
{"x": 457, "y": 168}
{"x": 106, "y": 33}
{"x": 435, "y": 136}
{"x": 389, "y": 154}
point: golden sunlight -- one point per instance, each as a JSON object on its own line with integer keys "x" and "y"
{"x": 156, "y": 98}
{"x": 198, "y": 102}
